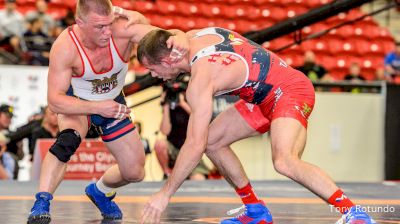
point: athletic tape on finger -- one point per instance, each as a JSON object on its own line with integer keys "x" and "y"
{"x": 118, "y": 113}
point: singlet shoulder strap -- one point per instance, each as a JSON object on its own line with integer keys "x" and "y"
{"x": 207, "y": 50}
{"x": 82, "y": 55}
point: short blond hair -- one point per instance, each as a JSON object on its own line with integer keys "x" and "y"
{"x": 101, "y": 7}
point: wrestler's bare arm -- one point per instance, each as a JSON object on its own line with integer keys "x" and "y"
{"x": 132, "y": 16}
{"x": 200, "y": 98}
{"x": 136, "y": 32}
{"x": 191, "y": 33}
{"x": 59, "y": 80}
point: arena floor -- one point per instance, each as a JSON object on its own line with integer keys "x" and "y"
{"x": 201, "y": 202}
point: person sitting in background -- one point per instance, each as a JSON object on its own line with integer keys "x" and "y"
{"x": 7, "y": 164}
{"x": 174, "y": 121}
{"x": 37, "y": 42}
{"x": 145, "y": 141}
{"x": 354, "y": 76}
{"x": 11, "y": 28}
{"x": 14, "y": 146}
{"x": 354, "y": 73}
{"x": 49, "y": 23}
{"x": 392, "y": 65}
{"x": 313, "y": 70}
{"x": 48, "y": 129}
{"x": 8, "y": 161}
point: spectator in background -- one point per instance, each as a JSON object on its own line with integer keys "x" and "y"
{"x": 14, "y": 148}
{"x": 11, "y": 27}
{"x": 41, "y": 13}
{"x": 354, "y": 76}
{"x": 313, "y": 70}
{"x": 48, "y": 129}
{"x": 354, "y": 73}
{"x": 66, "y": 21}
{"x": 392, "y": 65}
{"x": 38, "y": 43}
{"x": 174, "y": 121}
{"x": 145, "y": 141}
{"x": 7, "y": 164}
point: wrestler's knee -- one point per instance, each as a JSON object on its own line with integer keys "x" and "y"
{"x": 285, "y": 163}
{"x": 134, "y": 174}
{"x": 160, "y": 146}
{"x": 213, "y": 145}
{"x": 66, "y": 144}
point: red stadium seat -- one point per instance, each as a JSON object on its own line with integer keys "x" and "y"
{"x": 122, "y": 3}
{"x": 294, "y": 60}
{"x": 342, "y": 32}
{"x": 338, "y": 73}
{"x": 372, "y": 62}
{"x": 318, "y": 46}
{"x": 315, "y": 28}
{"x": 25, "y": 9}
{"x": 244, "y": 26}
{"x": 166, "y": 7}
{"x": 312, "y": 3}
{"x": 328, "y": 62}
{"x": 335, "y": 45}
{"x": 364, "y": 47}
{"x": 295, "y": 10}
{"x": 144, "y": 6}
{"x": 273, "y": 12}
{"x": 369, "y": 31}
{"x": 388, "y": 46}
{"x": 241, "y": 11}
{"x": 279, "y": 42}
{"x": 58, "y": 13}
{"x": 384, "y": 34}
{"x": 189, "y": 8}
{"x": 369, "y": 74}
{"x": 353, "y": 14}
{"x": 252, "y": 12}
{"x": 67, "y": 3}
{"x": 264, "y": 23}
{"x": 227, "y": 24}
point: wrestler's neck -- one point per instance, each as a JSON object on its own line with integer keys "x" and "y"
{"x": 186, "y": 65}
{"x": 86, "y": 42}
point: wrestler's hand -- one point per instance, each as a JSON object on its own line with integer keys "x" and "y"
{"x": 112, "y": 109}
{"x": 133, "y": 17}
{"x": 154, "y": 208}
{"x": 179, "y": 43}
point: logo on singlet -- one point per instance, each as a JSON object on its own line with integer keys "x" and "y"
{"x": 235, "y": 40}
{"x": 250, "y": 106}
{"x": 105, "y": 85}
{"x": 278, "y": 94}
{"x": 305, "y": 110}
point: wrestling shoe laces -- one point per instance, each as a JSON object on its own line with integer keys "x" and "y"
{"x": 237, "y": 210}
{"x": 355, "y": 216}
{"x": 255, "y": 213}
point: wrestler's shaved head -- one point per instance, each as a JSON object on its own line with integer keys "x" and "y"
{"x": 101, "y": 7}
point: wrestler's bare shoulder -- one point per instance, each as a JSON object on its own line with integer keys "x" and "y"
{"x": 118, "y": 28}
{"x": 63, "y": 47}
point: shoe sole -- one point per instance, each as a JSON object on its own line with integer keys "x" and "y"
{"x": 94, "y": 202}
{"x": 43, "y": 219}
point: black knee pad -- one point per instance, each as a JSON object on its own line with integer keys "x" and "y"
{"x": 66, "y": 144}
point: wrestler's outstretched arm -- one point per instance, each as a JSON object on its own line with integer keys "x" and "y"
{"x": 200, "y": 98}
{"x": 136, "y": 31}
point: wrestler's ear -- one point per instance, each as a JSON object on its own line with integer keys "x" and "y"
{"x": 166, "y": 63}
{"x": 79, "y": 21}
